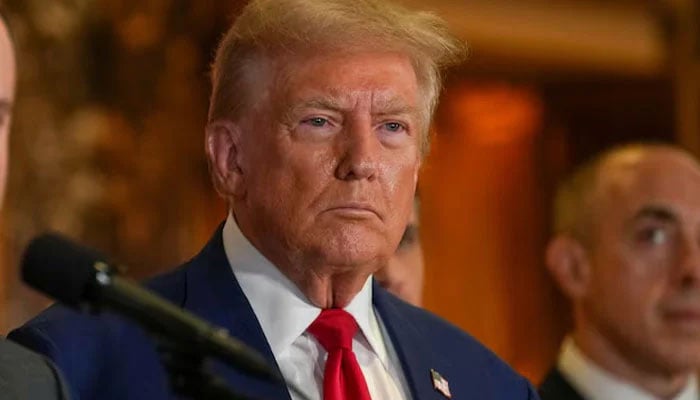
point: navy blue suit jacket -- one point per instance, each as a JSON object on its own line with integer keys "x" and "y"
{"x": 105, "y": 357}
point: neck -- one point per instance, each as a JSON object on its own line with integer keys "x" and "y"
{"x": 329, "y": 290}
{"x": 662, "y": 384}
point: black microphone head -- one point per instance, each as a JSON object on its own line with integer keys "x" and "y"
{"x": 60, "y": 268}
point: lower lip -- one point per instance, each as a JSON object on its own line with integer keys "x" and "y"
{"x": 352, "y": 212}
{"x": 687, "y": 319}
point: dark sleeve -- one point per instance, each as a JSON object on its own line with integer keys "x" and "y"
{"x": 27, "y": 375}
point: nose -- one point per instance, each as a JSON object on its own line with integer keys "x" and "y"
{"x": 360, "y": 150}
{"x": 689, "y": 265}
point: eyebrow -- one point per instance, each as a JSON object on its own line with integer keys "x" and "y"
{"x": 389, "y": 107}
{"x": 324, "y": 103}
{"x": 398, "y": 109}
{"x": 656, "y": 212}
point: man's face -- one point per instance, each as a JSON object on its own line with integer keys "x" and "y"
{"x": 403, "y": 275}
{"x": 329, "y": 159}
{"x": 7, "y": 87}
{"x": 644, "y": 293}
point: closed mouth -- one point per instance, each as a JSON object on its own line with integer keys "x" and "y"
{"x": 358, "y": 209}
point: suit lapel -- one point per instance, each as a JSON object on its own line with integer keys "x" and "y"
{"x": 415, "y": 357}
{"x": 214, "y": 294}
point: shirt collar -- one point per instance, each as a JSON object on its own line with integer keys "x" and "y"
{"x": 595, "y": 383}
{"x": 282, "y": 310}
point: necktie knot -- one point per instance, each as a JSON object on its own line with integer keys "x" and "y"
{"x": 342, "y": 377}
{"x": 334, "y": 328}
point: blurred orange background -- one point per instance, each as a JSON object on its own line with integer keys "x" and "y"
{"x": 107, "y": 140}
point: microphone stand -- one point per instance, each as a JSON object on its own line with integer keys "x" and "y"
{"x": 188, "y": 375}
{"x": 183, "y": 340}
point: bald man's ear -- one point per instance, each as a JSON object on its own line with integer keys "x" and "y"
{"x": 222, "y": 144}
{"x": 567, "y": 261}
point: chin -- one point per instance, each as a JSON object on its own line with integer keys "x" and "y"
{"x": 351, "y": 256}
{"x": 343, "y": 243}
{"x": 680, "y": 356}
{"x": 352, "y": 250}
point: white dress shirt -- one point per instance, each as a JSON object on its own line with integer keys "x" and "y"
{"x": 284, "y": 314}
{"x": 595, "y": 383}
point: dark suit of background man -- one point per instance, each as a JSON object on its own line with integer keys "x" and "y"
{"x": 626, "y": 251}
{"x": 23, "y": 374}
{"x": 317, "y": 128}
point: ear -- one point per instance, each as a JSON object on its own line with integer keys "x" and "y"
{"x": 567, "y": 261}
{"x": 222, "y": 144}
{"x": 417, "y": 170}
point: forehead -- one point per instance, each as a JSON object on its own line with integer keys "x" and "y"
{"x": 386, "y": 79}
{"x": 659, "y": 178}
{"x": 7, "y": 64}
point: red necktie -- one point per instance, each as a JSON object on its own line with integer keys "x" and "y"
{"x": 342, "y": 379}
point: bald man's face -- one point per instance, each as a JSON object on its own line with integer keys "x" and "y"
{"x": 7, "y": 88}
{"x": 643, "y": 293}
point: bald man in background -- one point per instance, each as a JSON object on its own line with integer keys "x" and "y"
{"x": 626, "y": 252}
{"x": 23, "y": 374}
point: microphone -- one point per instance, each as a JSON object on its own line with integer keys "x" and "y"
{"x": 76, "y": 276}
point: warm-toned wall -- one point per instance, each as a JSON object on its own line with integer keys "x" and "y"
{"x": 107, "y": 146}
{"x": 484, "y": 222}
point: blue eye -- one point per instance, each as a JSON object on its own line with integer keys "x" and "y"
{"x": 393, "y": 126}
{"x": 317, "y": 122}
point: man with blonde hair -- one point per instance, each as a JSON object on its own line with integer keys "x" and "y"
{"x": 626, "y": 251}
{"x": 317, "y": 128}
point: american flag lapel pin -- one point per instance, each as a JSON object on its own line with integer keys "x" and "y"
{"x": 440, "y": 384}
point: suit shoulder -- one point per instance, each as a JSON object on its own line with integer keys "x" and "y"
{"x": 171, "y": 285}
{"x": 434, "y": 326}
{"x": 455, "y": 350}
{"x": 446, "y": 335}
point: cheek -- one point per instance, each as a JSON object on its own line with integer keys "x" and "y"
{"x": 644, "y": 273}
{"x": 306, "y": 173}
{"x": 399, "y": 185}
{"x": 631, "y": 291}
{"x": 311, "y": 165}
{"x": 291, "y": 178}
{"x": 401, "y": 176}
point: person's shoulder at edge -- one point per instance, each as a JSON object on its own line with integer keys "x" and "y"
{"x": 28, "y": 375}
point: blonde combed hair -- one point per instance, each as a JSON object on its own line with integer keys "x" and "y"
{"x": 268, "y": 28}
